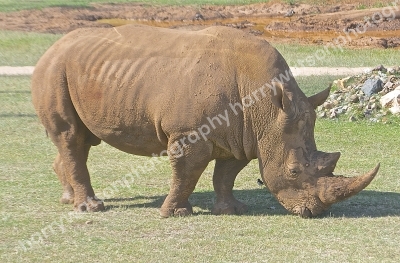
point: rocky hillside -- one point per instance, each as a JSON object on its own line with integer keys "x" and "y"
{"x": 372, "y": 96}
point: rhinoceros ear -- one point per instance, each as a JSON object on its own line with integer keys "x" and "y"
{"x": 319, "y": 98}
{"x": 280, "y": 97}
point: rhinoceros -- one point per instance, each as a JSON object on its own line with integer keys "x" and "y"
{"x": 196, "y": 96}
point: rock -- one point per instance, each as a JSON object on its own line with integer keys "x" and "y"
{"x": 339, "y": 110}
{"x": 352, "y": 118}
{"x": 328, "y": 105}
{"x": 372, "y": 86}
{"x": 395, "y": 110}
{"x": 363, "y": 96}
{"x": 354, "y": 98}
{"x": 334, "y": 96}
{"x": 391, "y": 101}
{"x": 388, "y": 85}
{"x": 332, "y": 114}
{"x": 380, "y": 68}
{"x": 367, "y": 113}
{"x": 343, "y": 83}
{"x": 393, "y": 78}
{"x": 199, "y": 16}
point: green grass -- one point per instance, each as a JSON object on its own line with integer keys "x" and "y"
{"x": 9, "y": 5}
{"x": 314, "y": 84}
{"x": 361, "y": 229}
{"x": 306, "y": 55}
{"x": 23, "y": 49}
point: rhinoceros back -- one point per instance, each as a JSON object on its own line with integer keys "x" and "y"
{"x": 135, "y": 87}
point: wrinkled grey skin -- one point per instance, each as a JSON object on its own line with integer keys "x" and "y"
{"x": 145, "y": 90}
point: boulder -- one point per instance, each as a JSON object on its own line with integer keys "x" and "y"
{"x": 372, "y": 86}
{"x": 391, "y": 101}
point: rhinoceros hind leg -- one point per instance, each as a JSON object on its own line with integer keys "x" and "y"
{"x": 68, "y": 193}
{"x": 79, "y": 179}
{"x": 225, "y": 173}
{"x": 186, "y": 171}
{"x": 73, "y": 144}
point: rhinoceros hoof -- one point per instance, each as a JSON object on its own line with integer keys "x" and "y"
{"x": 229, "y": 208}
{"x": 179, "y": 211}
{"x": 90, "y": 205}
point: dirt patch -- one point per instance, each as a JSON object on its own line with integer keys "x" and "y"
{"x": 274, "y": 21}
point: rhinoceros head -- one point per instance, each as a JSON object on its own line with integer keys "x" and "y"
{"x": 300, "y": 176}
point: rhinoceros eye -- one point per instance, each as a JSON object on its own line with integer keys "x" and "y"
{"x": 294, "y": 172}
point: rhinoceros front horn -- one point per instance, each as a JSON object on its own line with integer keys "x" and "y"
{"x": 337, "y": 188}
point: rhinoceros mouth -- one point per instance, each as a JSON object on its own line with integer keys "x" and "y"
{"x": 305, "y": 212}
{"x": 308, "y": 211}
{"x": 311, "y": 208}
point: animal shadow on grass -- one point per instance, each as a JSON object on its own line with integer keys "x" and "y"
{"x": 262, "y": 203}
{"x": 367, "y": 203}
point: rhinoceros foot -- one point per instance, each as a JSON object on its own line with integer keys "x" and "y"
{"x": 231, "y": 207}
{"x": 92, "y": 204}
{"x": 176, "y": 210}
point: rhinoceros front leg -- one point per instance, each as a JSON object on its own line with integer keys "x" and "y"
{"x": 225, "y": 173}
{"x": 186, "y": 170}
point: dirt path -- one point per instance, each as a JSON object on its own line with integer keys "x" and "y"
{"x": 317, "y": 71}
{"x": 312, "y": 24}
{"x": 297, "y": 71}
{"x": 16, "y": 71}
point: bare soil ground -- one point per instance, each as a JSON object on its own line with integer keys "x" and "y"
{"x": 309, "y": 24}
